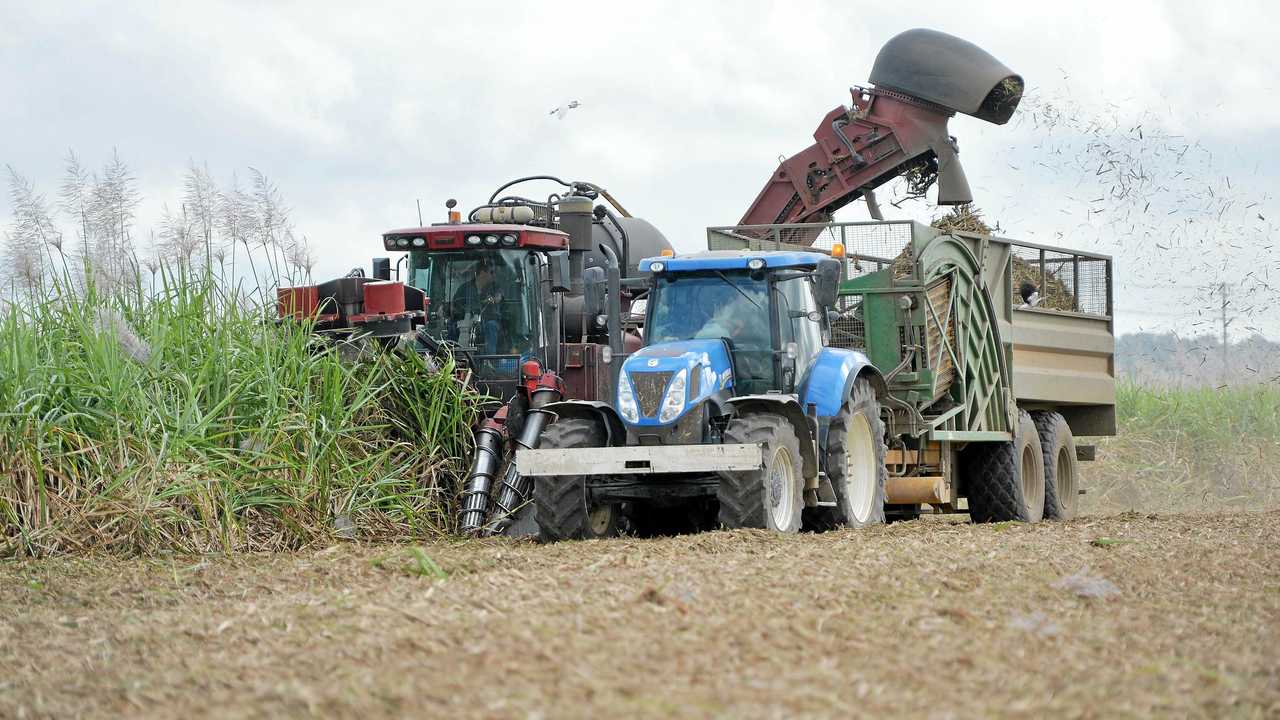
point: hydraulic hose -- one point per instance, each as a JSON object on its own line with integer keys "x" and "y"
{"x": 515, "y": 487}
{"x": 490, "y": 441}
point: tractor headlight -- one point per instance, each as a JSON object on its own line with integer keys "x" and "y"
{"x": 673, "y": 403}
{"x": 509, "y": 240}
{"x": 389, "y": 243}
{"x": 402, "y": 242}
{"x": 755, "y": 264}
{"x": 657, "y": 267}
{"x": 419, "y": 242}
{"x": 490, "y": 240}
{"x": 627, "y": 407}
{"x": 473, "y": 240}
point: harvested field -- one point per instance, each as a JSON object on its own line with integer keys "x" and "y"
{"x": 926, "y": 619}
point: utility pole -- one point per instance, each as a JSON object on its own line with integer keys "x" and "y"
{"x": 1222, "y": 290}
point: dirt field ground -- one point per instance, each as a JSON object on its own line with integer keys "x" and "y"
{"x": 925, "y": 619}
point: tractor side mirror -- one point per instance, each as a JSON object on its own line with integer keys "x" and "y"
{"x": 594, "y": 292}
{"x": 558, "y": 267}
{"x": 382, "y": 268}
{"x": 826, "y": 285}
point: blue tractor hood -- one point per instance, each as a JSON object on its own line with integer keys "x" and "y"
{"x": 650, "y": 372}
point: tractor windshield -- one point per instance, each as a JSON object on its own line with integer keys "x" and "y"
{"x": 486, "y": 301}
{"x": 717, "y": 304}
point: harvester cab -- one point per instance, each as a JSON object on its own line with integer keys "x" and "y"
{"x": 491, "y": 295}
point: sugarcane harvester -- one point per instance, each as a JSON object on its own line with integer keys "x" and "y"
{"x": 502, "y": 294}
{"x": 783, "y": 387}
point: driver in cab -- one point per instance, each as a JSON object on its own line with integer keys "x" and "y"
{"x": 477, "y": 300}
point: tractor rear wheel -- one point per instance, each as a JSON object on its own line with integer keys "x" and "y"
{"x": 1061, "y": 481}
{"x": 855, "y": 463}
{"x": 1005, "y": 480}
{"x": 562, "y": 505}
{"x": 773, "y": 496}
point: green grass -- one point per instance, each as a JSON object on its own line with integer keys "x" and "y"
{"x": 232, "y": 433}
{"x": 1189, "y": 449}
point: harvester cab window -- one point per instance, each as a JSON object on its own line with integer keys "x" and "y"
{"x": 484, "y": 301}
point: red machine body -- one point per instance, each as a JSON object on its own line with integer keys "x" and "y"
{"x": 898, "y": 128}
{"x": 882, "y": 136}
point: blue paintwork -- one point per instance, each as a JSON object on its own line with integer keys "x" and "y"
{"x": 831, "y": 379}
{"x": 734, "y": 260}
{"x": 710, "y": 358}
{"x": 826, "y": 386}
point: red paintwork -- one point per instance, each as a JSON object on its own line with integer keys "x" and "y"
{"x": 452, "y": 237}
{"x": 298, "y": 302}
{"x": 497, "y": 423}
{"x": 383, "y": 298}
{"x": 531, "y": 368}
{"x": 885, "y": 129}
{"x": 445, "y": 241}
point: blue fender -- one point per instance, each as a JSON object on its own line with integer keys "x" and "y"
{"x": 832, "y": 376}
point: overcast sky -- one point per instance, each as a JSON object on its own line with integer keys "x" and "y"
{"x": 356, "y": 110}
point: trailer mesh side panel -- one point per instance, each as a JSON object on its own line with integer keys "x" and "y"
{"x": 848, "y": 330}
{"x": 869, "y": 247}
{"x": 1063, "y": 280}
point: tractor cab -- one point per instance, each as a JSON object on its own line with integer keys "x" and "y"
{"x": 490, "y": 294}
{"x": 722, "y": 325}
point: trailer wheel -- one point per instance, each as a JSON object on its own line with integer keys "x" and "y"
{"x": 855, "y": 463}
{"x": 1061, "y": 479}
{"x": 562, "y": 506}
{"x": 1005, "y": 480}
{"x": 773, "y": 496}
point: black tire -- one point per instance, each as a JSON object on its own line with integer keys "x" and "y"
{"x": 1005, "y": 480}
{"x": 747, "y": 499}
{"x": 1061, "y": 475}
{"x": 861, "y": 407}
{"x": 561, "y": 505}
{"x": 901, "y": 513}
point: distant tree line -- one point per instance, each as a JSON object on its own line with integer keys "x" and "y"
{"x": 1166, "y": 359}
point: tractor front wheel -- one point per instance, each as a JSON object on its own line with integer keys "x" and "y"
{"x": 562, "y": 504}
{"x": 773, "y": 496}
{"x": 855, "y": 463}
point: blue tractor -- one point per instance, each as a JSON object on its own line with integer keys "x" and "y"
{"x": 735, "y": 412}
